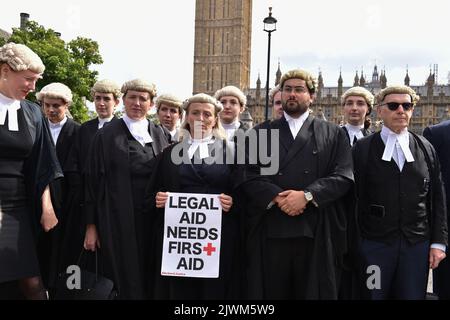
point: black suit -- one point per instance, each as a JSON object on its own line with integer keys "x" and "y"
{"x": 439, "y": 136}
{"x": 317, "y": 160}
{"x": 400, "y": 213}
{"x": 49, "y": 244}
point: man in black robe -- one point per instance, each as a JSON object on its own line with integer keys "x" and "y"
{"x": 296, "y": 222}
{"x": 357, "y": 104}
{"x": 56, "y": 99}
{"x": 401, "y": 210}
{"x": 118, "y": 169}
{"x": 439, "y": 136}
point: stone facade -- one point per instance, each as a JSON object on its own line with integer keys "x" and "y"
{"x": 222, "y": 49}
{"x": 433, "y": 107}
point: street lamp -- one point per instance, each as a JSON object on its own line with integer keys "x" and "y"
{"x": 270, "y": 25}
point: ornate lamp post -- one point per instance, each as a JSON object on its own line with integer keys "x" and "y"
{"x": 270, "y": 25}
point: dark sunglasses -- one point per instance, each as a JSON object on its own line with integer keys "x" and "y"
{"x": 394, "y": 105}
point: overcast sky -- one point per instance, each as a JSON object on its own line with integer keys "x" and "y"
{"x": 154, "y": 39}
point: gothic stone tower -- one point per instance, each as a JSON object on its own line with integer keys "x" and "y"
{"x": 222, "y": 44}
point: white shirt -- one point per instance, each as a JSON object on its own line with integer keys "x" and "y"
{"x": 231, "y": 128}
{"x": 201, "y": 145}
{"x": 295, "y": 124}
{"x": 354, "y": 131}
{"x": 396, "y": 146}
{"x": 55, "y": 128}
{"x": 173, "y": 133}
{"x": 138, "y": 129}
{"x": 9, "y": 106}
{"x": 101, "y": 122}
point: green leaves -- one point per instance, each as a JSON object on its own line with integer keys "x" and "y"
{"x": 67, "y": 63}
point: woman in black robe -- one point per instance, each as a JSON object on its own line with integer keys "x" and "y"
{"x": 204, "y": 170}
{"x": 28, "y": 164}
{"x": 119, "y": 166}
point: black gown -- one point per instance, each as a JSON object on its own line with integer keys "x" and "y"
{"x": 27, "y": 165}
{"x": 62, "y": 192}
{"x": 117, "y": 173}
{"x": 75, "y": 226}
{"x": 207, "y": 179}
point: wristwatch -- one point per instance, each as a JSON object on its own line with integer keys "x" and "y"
{"x": 309, "y": 198}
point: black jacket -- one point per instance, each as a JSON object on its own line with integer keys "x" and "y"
{"x": 435, "y": 199}
{"x": 332, "y": 176}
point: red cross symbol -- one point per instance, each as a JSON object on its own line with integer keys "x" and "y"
{"x": 209, "y": 249}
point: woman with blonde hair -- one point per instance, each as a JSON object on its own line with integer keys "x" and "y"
{"x": 28, "y": 164}
{"x": 198, "y": 164}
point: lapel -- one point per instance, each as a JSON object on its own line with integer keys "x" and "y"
{"x": 61, "y": 143}
{"x": 32, "y": 128}
{"x": 159, "y": 139}
{"x": 300, "y": 141}
{"x": 286, "y": 138}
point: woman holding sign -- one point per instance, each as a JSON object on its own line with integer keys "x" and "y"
{"x": 196, "y": 165}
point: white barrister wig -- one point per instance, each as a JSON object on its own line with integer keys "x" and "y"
{"x": 106, "y": 86}
{"x": 311, "y": 81}
{"x": 203, "y": 98}
{"x": 19, "y": 57}
{"x": 397, "y": 89}
{"x": 231, "y": 91}
{"x": 359, "y": 92}
{"x": 218, "y": 130}
{"x": 170, "y": 100}
{"x": 140, "y": 86}
{"x": 55, "y": 90}
{"x": 273, "y": 92}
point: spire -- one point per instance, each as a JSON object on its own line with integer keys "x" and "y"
{"x": 320, "y": 79}
{"x": 362, "y": 81}
{"x": 383, "y": 79}
{"x": 340, "y": 82}
{"x": 278, "y": 75}
{"x": 356, "y": 80}
{"x": 407, "y": 80}
{"x": 258, "y": 90}
{"x": 375, "y": 74}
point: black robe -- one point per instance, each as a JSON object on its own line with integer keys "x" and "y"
{"x": 109, "y": 205}
{"x": 62, "y": 192}
{"x": 75, "y": 226}
{"x": 42, "y": 167}
{"x": 333, "y": 178}
{"x": 207, "y": 179}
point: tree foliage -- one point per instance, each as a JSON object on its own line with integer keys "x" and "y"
{"x": 67, "y": 63}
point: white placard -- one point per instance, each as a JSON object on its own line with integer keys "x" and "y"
{"x": 192, "y": 232}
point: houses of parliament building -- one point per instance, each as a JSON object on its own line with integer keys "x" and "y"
{"x": 222, "y": 57}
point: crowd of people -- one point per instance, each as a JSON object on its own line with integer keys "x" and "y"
{"x": 349, "y": 212}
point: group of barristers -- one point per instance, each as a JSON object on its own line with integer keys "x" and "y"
{"x": 342, "y": 201}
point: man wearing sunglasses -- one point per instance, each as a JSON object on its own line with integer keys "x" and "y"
{"x": 357, "y": 103}
{"x": 401, "y": 203}
{"x": 439, "y": 136}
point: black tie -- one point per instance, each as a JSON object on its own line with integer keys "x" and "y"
{"x": 354, "y": 140}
